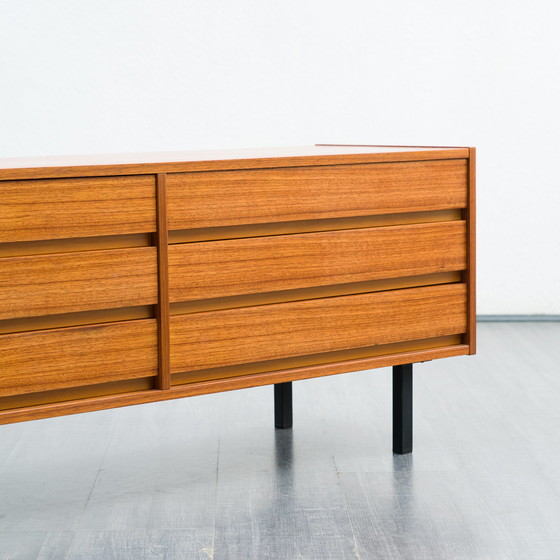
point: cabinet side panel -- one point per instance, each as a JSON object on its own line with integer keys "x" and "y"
{"x": 471, "y": 271}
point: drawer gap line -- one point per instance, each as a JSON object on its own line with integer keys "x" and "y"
{"x": 77, "y": 319}
{"x": 74, "y": 244}
{"x": 222, "y": 233}
{"x": 317, "y": 292}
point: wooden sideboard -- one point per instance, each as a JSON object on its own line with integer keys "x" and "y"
{"x": 127, "y": 279}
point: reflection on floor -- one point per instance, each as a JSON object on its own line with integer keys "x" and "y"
{"x": 210, "y": 478}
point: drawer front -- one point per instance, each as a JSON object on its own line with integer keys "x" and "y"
{"x": 69, "y": 282}
{"x": 244, "y": 266}
{"x": 62, "y": 208}
{"x": 210, "y": 199}
{"x": 245, "y": 335}
{"x": 76, "y": 356}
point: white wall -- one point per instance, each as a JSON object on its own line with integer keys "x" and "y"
{"x": 95, "y": 76}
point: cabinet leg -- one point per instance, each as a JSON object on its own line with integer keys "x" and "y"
{"x": 283, "y": 405}
{"x": 402, "y": 409}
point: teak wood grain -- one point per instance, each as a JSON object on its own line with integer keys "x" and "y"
{"x": 71, "y": 282}
{"x": 243, "y": 266}
{"x": 75, "y": 356}
{"x": 76, "y": 393}
{"x": 314, "y": 292}
{"x": 60, "y": 208}
{"x": 309, "y": 360}
{"x": 234, "y": 336}
{"x": 146, "y": 383}
{"x": 281, "y": 264}
{"x": 198, "y": 200}
{"x": 309, "y": 226}
{"x": 214, "y": 160}
{"x": 220, "y": 385}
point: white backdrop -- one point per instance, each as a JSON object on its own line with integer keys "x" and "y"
{"x": 99, "y": 76}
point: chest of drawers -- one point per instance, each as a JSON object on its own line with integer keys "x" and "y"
{"x": 138, "y": 278}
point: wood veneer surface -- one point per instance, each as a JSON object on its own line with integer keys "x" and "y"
{"x": 230, "y": 384}
{"x": 70, "y": 282}
{"x": 198, "y": 200}
{"x": 234, "y": 267}
{"x": 62, "y": 208}
{"x": 234, "y": 336}
{"x": 278, "y": 256}
{"x": 208, "y": 160}
{"x": 74, "y": 356}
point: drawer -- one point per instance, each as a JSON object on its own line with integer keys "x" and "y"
{"x": 64, "y": 283}
{"x": 268, "y": 332}
{"x": 282, "y": 262}
{"x": 225, "y": 198}
{"x": 76, "y": 356}
{"x": 62, "y": 208}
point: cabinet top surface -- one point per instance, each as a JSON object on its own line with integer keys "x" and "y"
{"x": 215, "y": 160}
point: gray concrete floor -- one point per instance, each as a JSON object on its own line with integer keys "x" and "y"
{"x": 209, "y": 477}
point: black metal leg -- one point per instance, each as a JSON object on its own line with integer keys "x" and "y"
{"x": 402, "y": 409}
{"x": 283, "y": 405}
